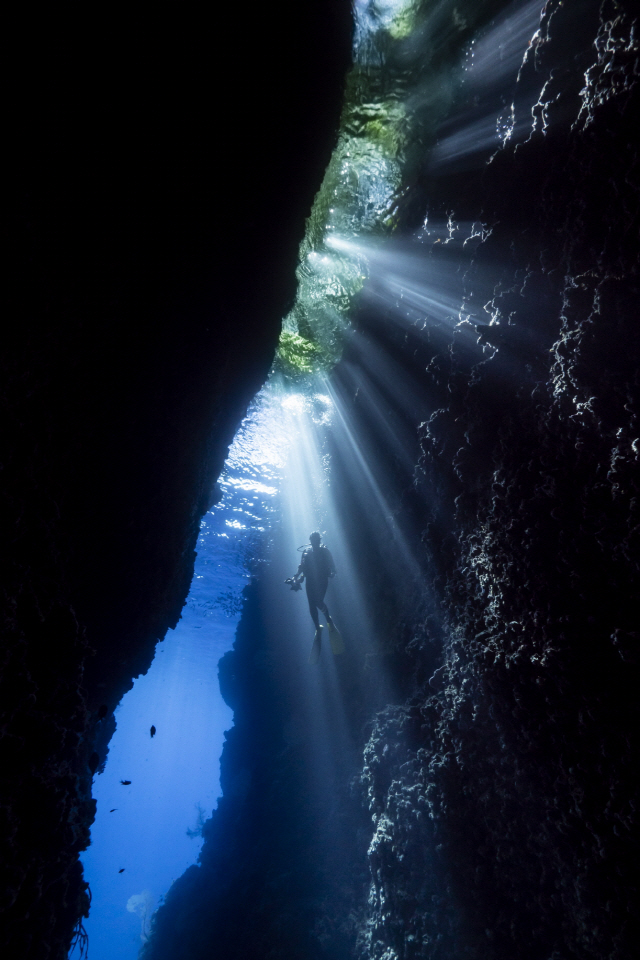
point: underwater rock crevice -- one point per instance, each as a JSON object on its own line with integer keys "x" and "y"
{"x": 493, "y": 807}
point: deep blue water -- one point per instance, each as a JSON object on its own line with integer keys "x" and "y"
{"x": 175, "y": 775}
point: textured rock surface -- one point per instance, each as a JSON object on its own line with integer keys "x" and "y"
{"x": 160, "y": 193}
{"x": 504, "y": 803}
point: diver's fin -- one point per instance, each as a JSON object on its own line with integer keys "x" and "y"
{"x": 336, "y": 641}
{"x": 314, "y": 656}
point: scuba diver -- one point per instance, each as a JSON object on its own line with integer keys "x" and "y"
{"x": 316, "y": 568}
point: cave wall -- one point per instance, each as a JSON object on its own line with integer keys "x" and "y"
{"x": 161, "y": 170}
{"x": 492, "y": 808}
{"x": 503, "y": 792}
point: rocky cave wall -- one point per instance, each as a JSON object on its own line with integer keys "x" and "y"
{"x": 504, "y": 797}
{"x": 492, "y": 811}
{"x": 161, "y": 170}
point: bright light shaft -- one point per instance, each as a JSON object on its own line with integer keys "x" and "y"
{"x": 497, "y": 56}
{"x": 474, "y": 139}
{"x": 312, "y": 501}
{"x": 386, "y": 427}
{"x": 376, "y": 369}
{"x": 492, "y": 65}
{"x": 309, "y": 497}
{"x": 362, "y": 473}
{"x": 307, "y": 506}
{"x": 412, "y": 286}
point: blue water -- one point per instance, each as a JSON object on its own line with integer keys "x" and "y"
{"x": 147, "y": 833}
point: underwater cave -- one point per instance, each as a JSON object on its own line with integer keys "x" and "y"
{"x": 321, "y": 416}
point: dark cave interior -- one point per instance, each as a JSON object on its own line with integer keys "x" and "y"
{"x": 488, "y": 809}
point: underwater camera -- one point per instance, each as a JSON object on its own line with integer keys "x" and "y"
{"x": 295, "y": 584}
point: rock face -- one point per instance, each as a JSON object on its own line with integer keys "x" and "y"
{"x": 504, "y": 802}
{"x": 163, "y": 167}
{"x": 492, "y": 808}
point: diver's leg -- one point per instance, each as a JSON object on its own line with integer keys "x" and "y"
{"x": 325, "y": 610}
{"x": 313, "y": 610}
{"x": 320, "y": 602}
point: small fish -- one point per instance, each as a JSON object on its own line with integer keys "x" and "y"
{"x": 114, "y": 810}
{"x": 152, "y": 731}
{"x": 125, "y": 783}
{"x": 121, "y": 870}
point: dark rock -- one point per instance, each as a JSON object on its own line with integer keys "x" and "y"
{"x": 159, "y": 192}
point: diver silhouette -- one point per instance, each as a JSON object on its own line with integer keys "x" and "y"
{"x": 316, "y": 567}
{"x": 315, "y": 570}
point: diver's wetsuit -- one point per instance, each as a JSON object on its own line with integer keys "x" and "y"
{"x": 317, "y": 566}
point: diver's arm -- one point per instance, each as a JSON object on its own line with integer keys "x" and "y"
{"x": 332, "y": 566}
